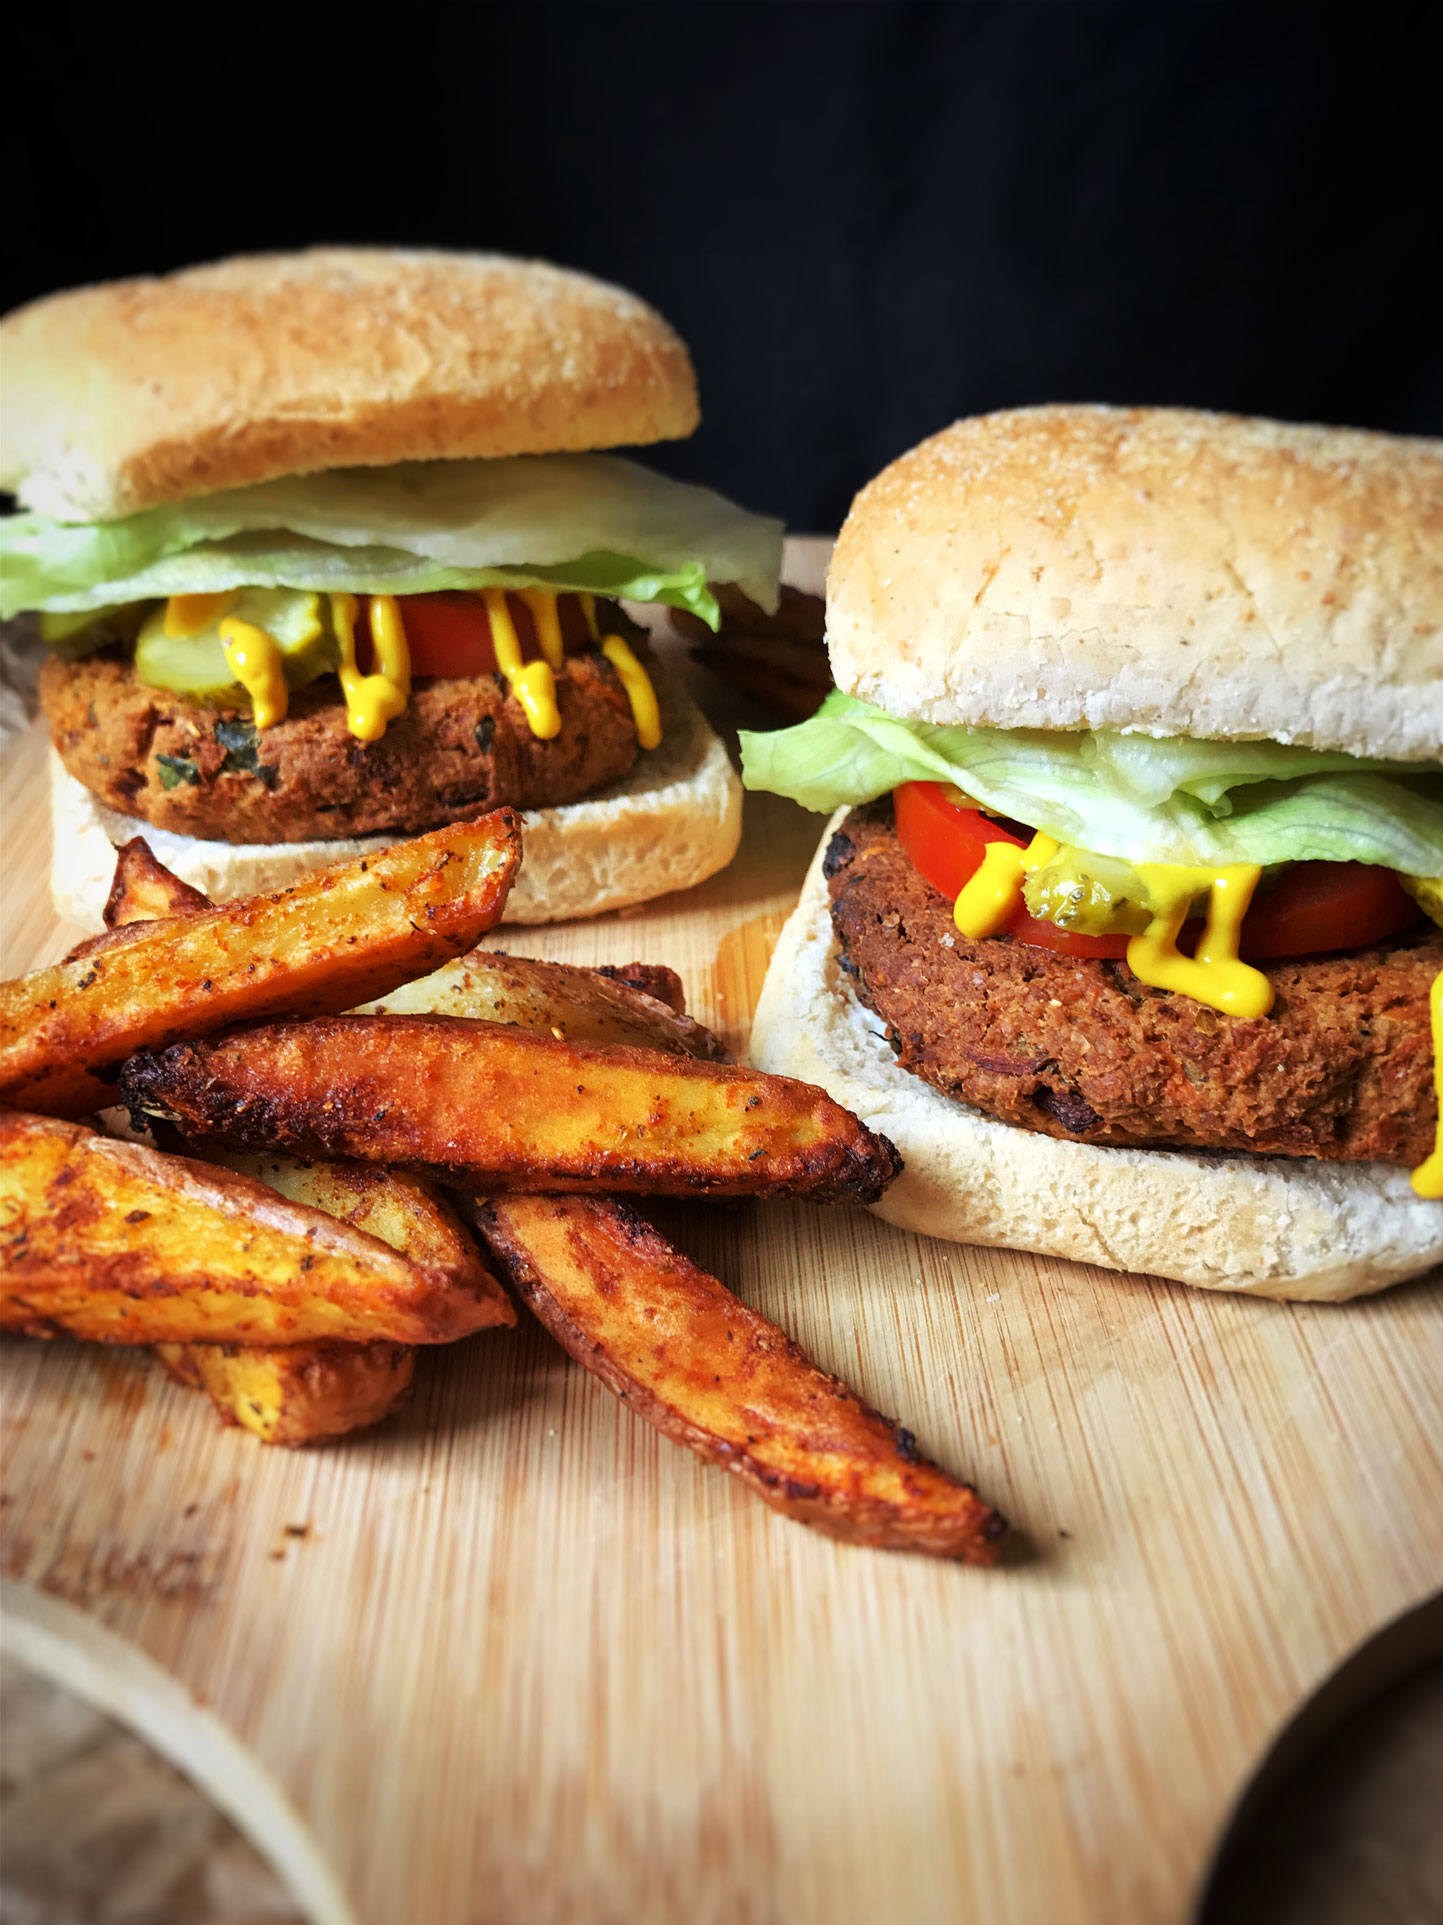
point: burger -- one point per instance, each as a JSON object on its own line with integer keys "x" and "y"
{"x": 323, "y": 553}
{"x": 1126, "y": 927}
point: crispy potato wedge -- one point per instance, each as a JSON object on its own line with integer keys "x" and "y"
{"x": 331, "y": 940}
{"x": 300, "y": 1393}
{"x": 573, "y": 1005}
{"x": 308, "y": 1393}
{"x": 404, "y": 1211}
{"x": 117, "y": 1243}
{"x": 694, "y": 1361}
{"x": 652, "y": 979}
{"x": 488, "y": 1107}
{"x": 144, "y": 890}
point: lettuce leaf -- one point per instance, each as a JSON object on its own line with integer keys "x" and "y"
{"x": 1135, "y": 797}
{"x": 593, "y": 523}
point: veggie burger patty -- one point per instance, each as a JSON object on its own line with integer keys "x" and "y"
{"x": 1341, "y": 1069}
{"x": 462, "y": 746}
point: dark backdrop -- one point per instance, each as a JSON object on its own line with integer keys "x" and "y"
{"x": 866, "y": 218}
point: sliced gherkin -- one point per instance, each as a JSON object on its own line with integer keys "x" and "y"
{"x": 1427, "y": 892}
{"x": 196, "y": 666}
{"x": 75, "y": 635}
{"x": 1090, "y": 895}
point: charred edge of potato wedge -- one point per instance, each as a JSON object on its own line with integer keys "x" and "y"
{"x": 706, "y": 1370}
{"x": 483, "y": 1106}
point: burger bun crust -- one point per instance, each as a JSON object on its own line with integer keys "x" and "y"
{"x": 1152, "y": 569}
{"x": 139, "y": 393}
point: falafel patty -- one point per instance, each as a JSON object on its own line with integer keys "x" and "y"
{"x": 1342, "y": 1069}
{"x": 461, "y": 746}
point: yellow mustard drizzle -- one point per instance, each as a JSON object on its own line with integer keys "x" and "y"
{"x": 1215, "y": 976}
{"x": 532, "y": 683}
{"x": 187, "y": 615}
{"x": 256, "y": 661}
{"x": 645, "y": 710}
{"x": 547, "y": 617}
{"x": 1428, "y": 1177}
{"x": 991, "y": 895}
{"x": 373, "y": 700}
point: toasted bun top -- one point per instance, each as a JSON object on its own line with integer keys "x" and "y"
{"x": 137, "y": 393}
{"x": 1152, "y": 569}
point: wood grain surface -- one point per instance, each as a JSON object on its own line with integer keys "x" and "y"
{"x": 516, "y": 1658}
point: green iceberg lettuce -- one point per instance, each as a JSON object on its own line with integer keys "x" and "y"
{"x": 591, "y": 523}
{"x": 1135, "y": 797}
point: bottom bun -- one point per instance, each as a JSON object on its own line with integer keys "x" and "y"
{"x": 1268, "y": 1225}
{"x": 672, "y": 822}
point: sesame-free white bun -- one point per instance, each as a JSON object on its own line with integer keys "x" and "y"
{"x": 142, "y": 392}
{"x": 669, "y": 824}
{"x": 1151, "y": 569}
{"x": 1266, "y": 1225}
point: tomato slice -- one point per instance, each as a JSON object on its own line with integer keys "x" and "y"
{"x": 1313, "y": 907}
{"x": 449, "y": 633}
{"x": 945, "y": 843}
{"x": 1317, "y": 906}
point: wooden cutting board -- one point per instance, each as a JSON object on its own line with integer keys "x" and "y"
{"x": 514, "y": 1658}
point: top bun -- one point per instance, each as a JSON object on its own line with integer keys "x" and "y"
{"x": 1156, "y": 570}
{"x": 138, "y": 393}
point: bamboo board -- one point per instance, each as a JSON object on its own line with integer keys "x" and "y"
{"x": 515, "y": 1658}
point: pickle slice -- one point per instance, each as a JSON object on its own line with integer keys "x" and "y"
{"x": 195, "y": 665}
{"x": 74, "y": 635}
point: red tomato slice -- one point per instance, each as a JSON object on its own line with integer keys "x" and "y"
{"x": 945, "y": 843}
{"x": 1317, "y": 906}
{"x": 450, "y": 633}
{"x": 1312, "y": 907}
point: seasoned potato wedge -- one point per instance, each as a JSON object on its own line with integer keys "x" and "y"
{"x": 329, "y": 941}
{"x": 307, "y": 1393}
{"x": 489, "y": 1107}
{"x": 404, "y": 1211}
{"x": 299, "y": 1393}
{"x": 117, "y": 1243}
{"x": 686, "y": 1355}
{"x": 556, "y": 999}
{"x": 144, "y": 890}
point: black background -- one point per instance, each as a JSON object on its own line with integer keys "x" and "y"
{"x": 866, "y": 218}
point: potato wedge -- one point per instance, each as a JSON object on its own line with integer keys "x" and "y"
{"x": 651, "y": 979}
{"x": 404, "y": 1211}
{"x": 117, "y": 1243}
{"x": 300, "y": 1393}
{"x": 488, "y": 1107}
{"x": 308, "y": 1393}
{"x": 331, "y": 940}
{"x": 556, "y": 999}
{"x": 695, "y": 1362}
{"x": 144, "y": 890}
